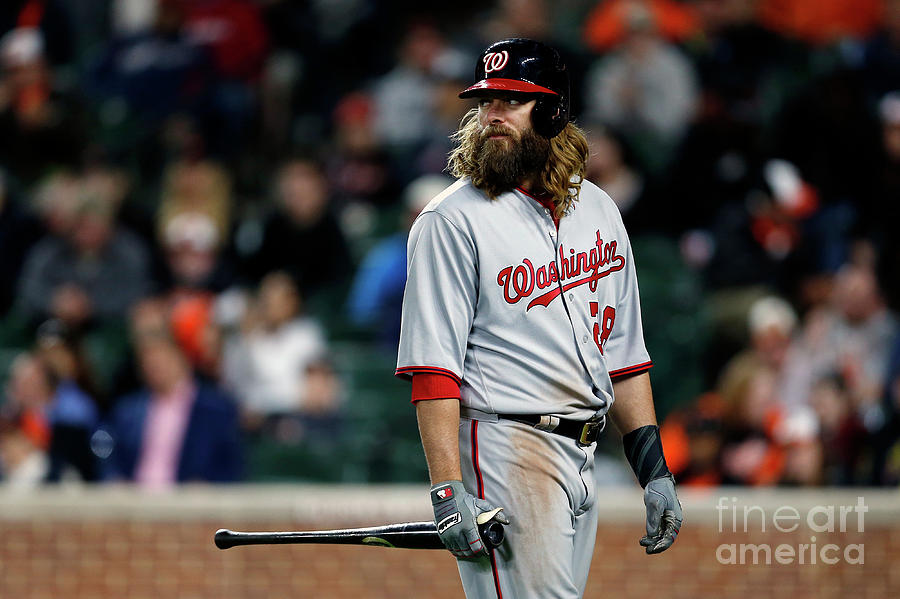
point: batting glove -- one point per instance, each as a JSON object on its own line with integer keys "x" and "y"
{"x": 664, "y": 515}
{"x": 457, "y": 514}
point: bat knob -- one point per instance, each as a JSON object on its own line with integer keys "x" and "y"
{"x": 223, "y": 538}
{"x": 492, "y": 533}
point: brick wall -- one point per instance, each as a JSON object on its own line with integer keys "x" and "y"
{"x": 117, "y": 543}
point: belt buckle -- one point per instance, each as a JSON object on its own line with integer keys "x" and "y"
{"x": 591, "y": 431}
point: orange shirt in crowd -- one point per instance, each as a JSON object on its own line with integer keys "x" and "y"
{"x": 607, "y": 23}
{"x": 821, "y": 21}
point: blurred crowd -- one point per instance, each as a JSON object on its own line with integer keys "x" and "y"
{"x": 200, "y": 200}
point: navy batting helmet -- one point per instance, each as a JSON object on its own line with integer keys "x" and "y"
{"x": 528, "y": 67}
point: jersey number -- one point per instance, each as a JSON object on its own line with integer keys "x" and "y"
{"x": 602, "y": 329}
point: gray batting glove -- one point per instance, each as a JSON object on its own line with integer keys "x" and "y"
{"x": 456, "y": 514}
{"x": 664, "y": 515}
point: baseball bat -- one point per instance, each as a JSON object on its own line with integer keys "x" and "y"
{"x": 408, "y": 535}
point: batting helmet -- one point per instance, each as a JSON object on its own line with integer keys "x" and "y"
{"x": 525, "y": 66}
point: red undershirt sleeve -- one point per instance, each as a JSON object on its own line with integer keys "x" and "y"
{"x": 428, "y": 385}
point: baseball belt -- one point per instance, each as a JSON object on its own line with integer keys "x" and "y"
{"x": 584, "y": 432}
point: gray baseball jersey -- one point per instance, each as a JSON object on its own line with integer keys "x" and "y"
{"x": 529, "y": 320}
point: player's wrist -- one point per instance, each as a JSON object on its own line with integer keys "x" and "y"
{"x": 644, "y": 451}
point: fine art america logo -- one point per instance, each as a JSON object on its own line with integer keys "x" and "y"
{"x": 819, "y": 519}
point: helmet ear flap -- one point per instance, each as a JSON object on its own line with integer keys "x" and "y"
{"x": 549, "y": 116}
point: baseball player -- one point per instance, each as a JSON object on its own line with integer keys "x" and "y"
{"x": 521, "y": 331}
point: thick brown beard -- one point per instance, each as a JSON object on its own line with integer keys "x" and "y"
{"x": 504, "y": 163}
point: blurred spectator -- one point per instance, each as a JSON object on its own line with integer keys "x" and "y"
{"x": 804, "y": 459}
{"x": 451, "y": 76}
{"x": 743, "y": 66}
{"x": 64, "y": 354}
{"x": 611, "y": 165}
{"x": 725, "y": 155}
{"x": 51, "y": 18}
{"x": 359, "y": 169}
{"x": 517, "y": 18}
{"x": 883, "y": 211}
{"x": 853, "y": 336}
{"x": 645, "y": 88}
{"x": 770, "y": 437}
{"x": 295, "y": 38}
{"x": 301, "y": 87}
{"x": 151, "y": 87}
{"x": 19, "y": 230}
{"x": 376, "y": 296}
{"x": 193, "y": 233}
{"x": 759, "y": 238}
{"x": 828, "y": 130}
{"x": 822, "y": 21}
{"x": 175, "y": 429}
{"x": 155, "y": 72}
{"x": 301, "y": 236}
{"x": 692, "y": 437}
{"x": 609, "y": 23}
{"x": 752, "y": 454}
{"x": 889, "y": 111}
{"x": 149, "y": 318}
{"x": 886, "y": 437}
{"x": 54, "y": 416}
{"x": 57, "y": 201}
{"x": 24, "y": 429}
{"x": 117, "y": 186}
{"x": 608, "y": 169}
{"x": 196, "y": 187}
{"x": 745, "y": 72}
{"x": 23, "y": 463}
{"x": 197, "y": 270}
{"x": 234, "y": 32}
{"x": 881, "y": 61}
{"x": 771, "y": 324}
{"x": 95, "y": 271}
{"x": 235, "y": 36}
{"x": 272, "y": 363}
{"x": 403, "y": 98}
{"x": 842, "y": 434}
{"x": 42, "y": 126}
{"x": 73, "y": 413}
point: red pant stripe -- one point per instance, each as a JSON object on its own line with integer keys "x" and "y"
{"x": 481, "y": 496}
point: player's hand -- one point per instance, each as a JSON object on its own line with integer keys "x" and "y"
{"x": 456, "y": 514}
{"x": 664, "y": 515}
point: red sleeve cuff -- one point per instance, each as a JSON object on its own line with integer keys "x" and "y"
{"x": 430, "y": 385}
{"x": 630, "y": 370}
{"x": 407, "y": 371}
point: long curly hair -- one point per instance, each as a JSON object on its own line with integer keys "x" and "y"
{"x": 561, "y": 176}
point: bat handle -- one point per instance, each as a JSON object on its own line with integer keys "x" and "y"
{"x": 492, "y": 533}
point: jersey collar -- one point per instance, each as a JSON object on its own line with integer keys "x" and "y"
{"x": 545, "y": 200}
